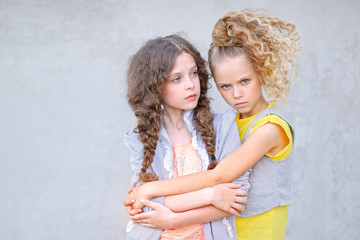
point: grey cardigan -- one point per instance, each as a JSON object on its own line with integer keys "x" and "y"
{"x": 226, "y": 140}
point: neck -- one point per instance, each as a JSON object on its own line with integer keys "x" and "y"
{"x": 173, "y": 120}
{"x": 259, "y": 107}
{"x": 174, "y": 124}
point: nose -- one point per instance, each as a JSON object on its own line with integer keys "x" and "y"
{"x": 237, "y": 92}
{"x": 189, "y": 83}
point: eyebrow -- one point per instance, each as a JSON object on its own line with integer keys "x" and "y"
{"x": 240, "y": 79}
{"x": 245, "y": 77}
{"x": 176, "y": 73}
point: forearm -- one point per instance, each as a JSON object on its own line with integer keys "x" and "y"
{"x": 197, "y": 216}
{"x": 163, "y": 218}
{"x": 180, "y": 185}
{"x": 187, "y": 201}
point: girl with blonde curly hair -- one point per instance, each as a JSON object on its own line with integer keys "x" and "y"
{"x": 250, "y": 52}
{"x": 167, "y": 86}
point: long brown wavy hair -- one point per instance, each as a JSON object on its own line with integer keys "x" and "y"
{"x": 271, "y": 43}
{"x": 149, "y": 69}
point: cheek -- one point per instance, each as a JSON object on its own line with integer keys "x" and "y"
{"x": 256, "y": 89}
{"x": 198, "y": 86}
{"x": 226, "y": 95}
{"x": 167, "y": 94}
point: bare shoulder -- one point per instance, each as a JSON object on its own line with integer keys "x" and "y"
{"x": 269, "y": 129}
{"x": 274, "y": 134}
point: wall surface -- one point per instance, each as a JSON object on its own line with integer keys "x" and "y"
{"x": 64, "y": 170}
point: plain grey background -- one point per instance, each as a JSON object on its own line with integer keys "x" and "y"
{"x": 64, "y": 170}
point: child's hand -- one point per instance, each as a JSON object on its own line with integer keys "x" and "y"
{"x": 138, "y": 194}
{"x": 128, "y": 203}
{"x": 161, "y": 217}
{"x": 228, "y": 197}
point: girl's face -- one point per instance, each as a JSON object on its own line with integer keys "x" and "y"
{"x": 182, "y": 89}
{"x": 239, "y": 85}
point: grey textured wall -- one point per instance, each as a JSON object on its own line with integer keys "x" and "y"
{"x": 63, "y": 167}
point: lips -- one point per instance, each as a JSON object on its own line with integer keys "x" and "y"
{"x": 191, "y": 97}
{"x": 241, "y": 104}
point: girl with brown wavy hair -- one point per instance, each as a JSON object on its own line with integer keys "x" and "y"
{"x": 174, "y": 136}
{"x": 250, "y": 52}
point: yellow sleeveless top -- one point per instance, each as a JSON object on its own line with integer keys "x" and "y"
{"x": 186, "y": 160}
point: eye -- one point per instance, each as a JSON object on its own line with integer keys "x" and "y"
{"x": 194, "y": 73}
{"x": 177, "y": 79}
{"x": 225, "y": 86}
{"x": 245, "y": 81}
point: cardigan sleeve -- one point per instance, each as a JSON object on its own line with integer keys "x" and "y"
{"x": 228, "y": 140}
{"x": 135, "y": 147}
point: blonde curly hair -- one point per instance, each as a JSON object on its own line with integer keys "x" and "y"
{"x": 271, "y": 44}
{"x": 149, "y": 69}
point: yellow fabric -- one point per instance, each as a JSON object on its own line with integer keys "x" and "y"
{"x": 244, "y": 123}
{"x": 271, "y": 224}
{"x": 186, "y": 160}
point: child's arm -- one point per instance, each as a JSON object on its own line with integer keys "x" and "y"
{"x": 260, "y": 142}
{"x": 163, "y": 218}
{"x": 227, "y": 197}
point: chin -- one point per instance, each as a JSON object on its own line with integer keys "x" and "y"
{"x": 190, "y": 107}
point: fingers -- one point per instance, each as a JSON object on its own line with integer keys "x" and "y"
{"x": 145, "y": 221}
{"x": 133, "y": 212}
{"x": 241, "y": 192}
{"x": 141, "y": 217}
{"x": 138, "y": 205}
{"x": 241, "y": 200}
{"x": 234, "y": 212}
{"x": 129, "y": 202}
{"x": 234, "y": 186}
{"x": 132, "y": 209}
{"x": 238, "y": 207}
{"x": 151, "y": 204}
